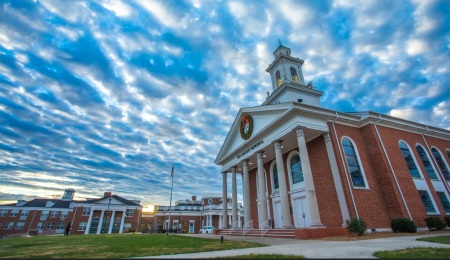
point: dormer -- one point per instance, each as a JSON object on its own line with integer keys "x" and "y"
{"x": 49, "y": 204}
{"x": 68, "y": 195}
{"x": 20, "y": 203}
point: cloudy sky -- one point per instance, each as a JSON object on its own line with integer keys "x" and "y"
{"x": 108, "y": 95}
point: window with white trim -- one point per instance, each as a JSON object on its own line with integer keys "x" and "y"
{"x": 3, "y": 212}
{"x": 40, "y": 225}
{"x": 24, "y": 214}
{"x": 19, "y": 225}
{"x": 82, "y": 226}
{"x": 353, "y": 164}
{"x": 129, "y": 212}
{"x": 50, "y": 225}
{"x": 54, "y": 214}
{"x": 296, "y": 169}
{"x": 441, "y": 163}
{"x": 444, "y": 201}
{"x": 60, "y": 225}
{"x": 408, "y": 156}
{"x": 426, "y": 200}
{"x": 276, "y": 183}
{"x": 8, "y": 225}
{"x": 14, "y": 213}
{"x": 63, "y": 214}
{"x": 426, "y": 163}
{"x": 44, "y": 215}
{"x": 126, "y": 227}
{"x": 86, "y": 212}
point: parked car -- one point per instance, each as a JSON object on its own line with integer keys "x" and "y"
{"x": 207, "y": 229}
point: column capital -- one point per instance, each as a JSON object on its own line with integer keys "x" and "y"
{"x": 233, "y": 169}
{"x": 260, "y": 151}
{"x": 300, "y": 131}
{"x": 224, "y": 172}
{"x": 326, "y": 136}
{"x": 246, "y": 160}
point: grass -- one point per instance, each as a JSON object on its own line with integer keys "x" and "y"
{"x": 264, "y": 256}
{"x": 420, "y": 252}
{"x": 112, "y": 246}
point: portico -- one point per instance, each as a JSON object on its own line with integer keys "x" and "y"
{"x": 269, "y": 145}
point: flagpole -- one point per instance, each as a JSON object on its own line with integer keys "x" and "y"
{"x": 170, "y": 204}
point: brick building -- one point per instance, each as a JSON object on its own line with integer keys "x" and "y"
{"x": 109, "y": 214}
{"x": 305, "y": 167}
{"x": 191, "y": 215}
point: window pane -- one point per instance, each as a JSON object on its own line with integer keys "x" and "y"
{"x": 275, "y": 177}
{"x": 429, "y": 207}
{"x": 441, "y": 163}
{"x": 409, "y": 160}
{"x": 353, "y": 163}
{"x": 296, "y": 169}
{"x": 444, "y": 201}
{"x": 426, "y": 163}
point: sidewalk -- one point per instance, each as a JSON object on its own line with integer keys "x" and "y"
{"x": 312, "y": 248}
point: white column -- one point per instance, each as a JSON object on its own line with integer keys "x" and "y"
{"x": 246, "y": 191}
{"x": 309, "y": 182}
{"x": 337, "y": 180}
{"x": 234, "y": 197}
{"x": 284, "y": 199}
{"x": 224, "y": 201}
{"x": 111, "y": 223}
{"x": 220, "y": 221}
{"x": 89, "y": 222}
{"x": 99, "y": 228}
{"x": 123, "y": 221}
{"x": 262, "y": 199}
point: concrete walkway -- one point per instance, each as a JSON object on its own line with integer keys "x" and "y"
{"x": 312, "y": 248}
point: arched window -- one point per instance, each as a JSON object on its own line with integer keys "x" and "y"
{"x": 278, "y": 78}
{"x": 441, "y": 163}
{"x": 407, "y": 155}
{"x": 276, "y": 184}
{"x": 426, "y": 163}
{"x": 294, "y": 75}
{"x": 296, "y": 169}
{"x": 353, "y": 164}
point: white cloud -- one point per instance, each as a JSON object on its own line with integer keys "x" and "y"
{"x": 416, "y": 47}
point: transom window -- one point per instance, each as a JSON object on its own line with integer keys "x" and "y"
{"x": 426, "y": 200}
{"x": 296, "y": 169}
{"x": 426, "y": 163}
{"x": 276, "y": 184}
{"x": 407, "y": 155}
{"x": 353, "y": 164}
{"x": 444, "y": 201}
{"x": 441, "y": 163}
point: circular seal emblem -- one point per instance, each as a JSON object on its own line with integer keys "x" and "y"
{"x": 246, "y": 126}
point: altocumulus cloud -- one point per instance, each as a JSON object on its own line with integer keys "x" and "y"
{"x": 107, "y": 95}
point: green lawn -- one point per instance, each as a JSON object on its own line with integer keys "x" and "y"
{"x": 111, "y": 246}
{"x": 420, "y": 252}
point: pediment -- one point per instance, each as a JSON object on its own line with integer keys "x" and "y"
{"x": 107, "y": 202}
{"x": 262, "y": 117}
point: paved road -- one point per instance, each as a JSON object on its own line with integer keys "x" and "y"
{"x": 312, "y": 248}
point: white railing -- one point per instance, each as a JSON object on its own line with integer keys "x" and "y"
{"x": 265, "y": 227}
{"x": 247, "y": 227}
{"x": 235, "y": 225}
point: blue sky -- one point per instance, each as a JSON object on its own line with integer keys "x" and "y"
{"x": 107, "y": 95}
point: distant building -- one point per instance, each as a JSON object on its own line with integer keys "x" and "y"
{"x": 191, "y": 215}
{"x": 109, "y": 214}
{"x": 309, "y": 169}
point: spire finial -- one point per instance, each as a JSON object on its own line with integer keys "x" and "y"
{"x": 279, "y": 42}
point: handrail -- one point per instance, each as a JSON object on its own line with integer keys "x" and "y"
{"x": 265, "y": 227}
{"x": 247, "y": 227}
{"x": 234, "y": 225}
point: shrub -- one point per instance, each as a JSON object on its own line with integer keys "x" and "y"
{"x": 447, "y": 220}
{"x": 356, "y": 226}
{"x": 435, "y": 223}
{"x": 403, "y": 225}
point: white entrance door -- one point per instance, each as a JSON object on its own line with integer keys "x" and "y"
{"x": 301, "y": 213}
{"x": 277, "y": 214}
